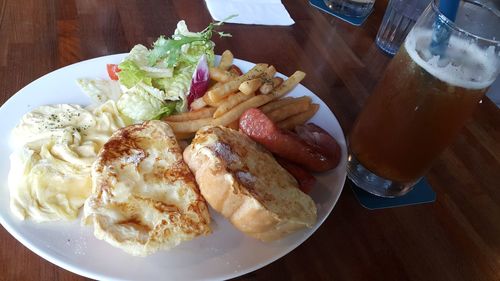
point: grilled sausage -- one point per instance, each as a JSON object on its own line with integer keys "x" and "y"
{"x": 304, "y": 178}
{"x": 314, "y": 134}
{"x": 285, "y": 144}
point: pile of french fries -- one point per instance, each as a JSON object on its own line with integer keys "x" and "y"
{"x": 234, "y": 92}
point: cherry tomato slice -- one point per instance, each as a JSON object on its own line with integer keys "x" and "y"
{"x": 112, "y": 70}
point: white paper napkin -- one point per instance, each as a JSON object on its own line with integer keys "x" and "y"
{"x": 264, "y": 12}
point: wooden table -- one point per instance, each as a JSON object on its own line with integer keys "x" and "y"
{"x": 455, "y": 238}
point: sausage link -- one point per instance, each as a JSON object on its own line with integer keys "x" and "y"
{"x": 304, "y": 178}
{"x": 286, "y": 144}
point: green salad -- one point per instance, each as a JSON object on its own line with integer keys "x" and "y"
{"x": 152, "y": 83}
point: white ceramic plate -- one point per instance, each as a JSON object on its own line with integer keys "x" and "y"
{"x": 224, "y": 254}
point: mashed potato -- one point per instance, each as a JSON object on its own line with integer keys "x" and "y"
{"x": 55, "y": 146}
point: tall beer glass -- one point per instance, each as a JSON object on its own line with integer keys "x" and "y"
{"x": 428, "y": 91}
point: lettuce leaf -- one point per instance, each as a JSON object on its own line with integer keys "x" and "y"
{"x": 131, "y": 74}
{"x": 156, "y": 82}
{"x": 176, "y": 87}
{"x": 100, "y": 90}
{"x": 171, "y": 50}
{"x": 140, "y": 106}
{"x": 139, "y": 54}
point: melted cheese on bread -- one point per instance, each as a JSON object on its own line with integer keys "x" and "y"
{"x": 144, "y": 196}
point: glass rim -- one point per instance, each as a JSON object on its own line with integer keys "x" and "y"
{"x": 451, "y": 24}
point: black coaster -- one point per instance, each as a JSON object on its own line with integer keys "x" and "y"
{"x": 422, "y": 193}
{"x": 319, "y": 4}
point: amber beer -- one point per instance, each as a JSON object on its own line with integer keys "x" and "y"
{"x": 418, "y": 107}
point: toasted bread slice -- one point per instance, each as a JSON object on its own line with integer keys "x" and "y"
{"x": 144, "y": 197}
{"x": 243, "y": 181}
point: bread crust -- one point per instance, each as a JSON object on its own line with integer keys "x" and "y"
{"x": 246, "y": 185}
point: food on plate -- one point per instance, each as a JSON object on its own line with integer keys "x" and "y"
{"x": 250, "y": 86}
{"x": 218, "y": 93}
{"x": 199, "y": 82}
{"x": 266, "y": 81}
{"x": 304, "y": 178}
{"x": 198, "y": 104}
{"x": 235, "y": 70}
{"x": 290, "y": 112}
{"x": 100, "y": 90}
{"x": 286, "y": 144}
{"x": 314, "y": 134}
{"x": 277, "y": 104}
{"x": 235, "y": 92}
{"x": 159, "y": 81}
{"x": 144, "y": 197}
{"x": 113, "y": 70}
{"x": 221, "y": 75}
{"x": 230, "y": 111}
{"x": 285, "y": 111}
{"x": 54, "y": 148}
{"x": 226, "y": 60}
{"x": 269, "y": 85}
{"x": 291, "y": 122}
{"x": 231, "y": 102}
{"x": 243, "y": 181}
{"x": 135, "y": 182}
{"x": 205, "y": 112}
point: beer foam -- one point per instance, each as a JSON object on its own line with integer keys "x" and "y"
{"x": 471, "y": 67}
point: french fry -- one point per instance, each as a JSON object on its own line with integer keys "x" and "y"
{"x": 208, "y": 100}
{"x": 288, "y": 85}
{"x": 189, "y": 126}
{"x": 219, "y": 103}
{"x": 267, "y": 87}
{"x": 270, "y": 72}
{"x": 213, "y": 85}
{"x": 235, "y": 112}
{"x": 226, "y": 60}
{"x": 267, "y": 80}
{"x": 235, "y": 125}
{"x": 212, "y": 103}
{"x": 250, "y": 86}
{"x": 218, "y": 93}
{"x": 230, "y": 102}
{"x": 198, "y": 104}
{"x": 205, "y": 112}
{"x": 298, "y": 119}
{"x": 288, "y": 110}
{"x": 220, "y": 75}
{"x": 275, "y": 104}
{"x": 205, "y": 97}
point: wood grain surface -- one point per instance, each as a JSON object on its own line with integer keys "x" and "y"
{"x": 455, "y": 238}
